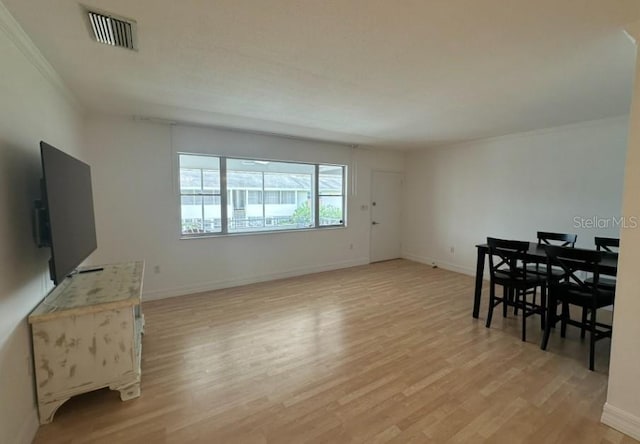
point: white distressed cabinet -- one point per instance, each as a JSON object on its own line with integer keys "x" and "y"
{"x": 87, "y": 334}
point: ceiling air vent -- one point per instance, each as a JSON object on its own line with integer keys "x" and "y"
{"x": 114, "y": 31}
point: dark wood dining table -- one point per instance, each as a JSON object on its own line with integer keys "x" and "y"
{"x": 535, "y": 254}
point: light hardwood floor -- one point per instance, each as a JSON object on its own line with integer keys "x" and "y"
{"x": 386, "y": 352}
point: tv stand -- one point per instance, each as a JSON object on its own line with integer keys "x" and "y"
{"x": 87, "y": 334}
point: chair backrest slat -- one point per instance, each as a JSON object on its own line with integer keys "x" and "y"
{"x": 564, "y": 239}
{"x": 607, "y": 243}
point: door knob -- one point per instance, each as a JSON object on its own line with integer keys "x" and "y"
{"x": 375, "y": 223}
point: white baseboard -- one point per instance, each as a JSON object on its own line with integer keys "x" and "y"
{"x": 245, "y": 280}
{"x": 621, "y": 420}
{"x": 441, "y": 264}
{"x": 28, "y": 428}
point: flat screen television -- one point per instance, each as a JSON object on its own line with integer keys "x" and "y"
{"x": 65, "y": 220}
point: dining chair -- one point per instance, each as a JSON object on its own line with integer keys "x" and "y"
{"x": 608, "y": 245}
{"x": 571, "y": 289}
{"x": 547, "y": 238}
{"x": 508, "y": 268}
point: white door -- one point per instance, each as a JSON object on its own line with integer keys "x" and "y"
{"x": 386, "y": 220}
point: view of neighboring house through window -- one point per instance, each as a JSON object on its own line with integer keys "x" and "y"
{"x": 222, "y": 195}
{"x": 200, "y": 198}
{"x": 330, "y": 194}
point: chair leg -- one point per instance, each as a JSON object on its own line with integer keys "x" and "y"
{"x": 583, "y": 329}
{"x": 505, "y": 298}
{"x": 543, "y": 305}
{"x": 535, "y": 296}
{"x": 592, "y": 341}
{"x": 563, "y": 319}
{"x": 524, "y": 315}
{"x": 492, "y": 303}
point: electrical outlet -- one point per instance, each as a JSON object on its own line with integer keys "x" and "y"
{"x": 350, "y": 246}
{"x": 156, "y": 269}
{"x": 452, "y": 250}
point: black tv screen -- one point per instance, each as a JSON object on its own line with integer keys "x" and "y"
{"x": 68, "y": 202}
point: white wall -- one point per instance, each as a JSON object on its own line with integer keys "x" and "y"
{"x": 512, "y": 187}
{"x": 31, "y": 109}
{"x": 622, "y": 409}
{"x": 137, "y": 207}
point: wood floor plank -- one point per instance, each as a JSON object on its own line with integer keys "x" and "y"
{"x": 381, "y": 353}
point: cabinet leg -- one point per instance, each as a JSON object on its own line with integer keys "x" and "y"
{"x": 46, "y": 411}
{"x": 128, "y": 391}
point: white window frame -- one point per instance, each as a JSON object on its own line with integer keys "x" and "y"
{"x": 224, "y": 198}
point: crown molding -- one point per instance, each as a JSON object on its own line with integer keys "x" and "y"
{"x": 533, "y": 133}
{"x": 183, "y": 123}
{"x": 25, "y": 45}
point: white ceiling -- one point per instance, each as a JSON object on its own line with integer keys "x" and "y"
{"x": 392, "y": 73}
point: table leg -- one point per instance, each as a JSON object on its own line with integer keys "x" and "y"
{"x": 479, "y": 274}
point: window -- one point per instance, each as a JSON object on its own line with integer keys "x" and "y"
{"x": 255, "y": 197}
{"x": 288, "y": 197}
{"x": 200, "y": 194}
{"x": 271, "y": 197}
{"x": 220, "y": 195}
{"x": 331, "y": 194}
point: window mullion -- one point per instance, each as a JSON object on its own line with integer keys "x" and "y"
{"x": 316, "y": 194}
{"x": 223, "y": 195}
{"x": 344, "y": 199}
{"x": 264, "y": 212}
{"x": 202, "y": 197}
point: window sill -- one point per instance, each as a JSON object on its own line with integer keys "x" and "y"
{"x": 253, "y": 233}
